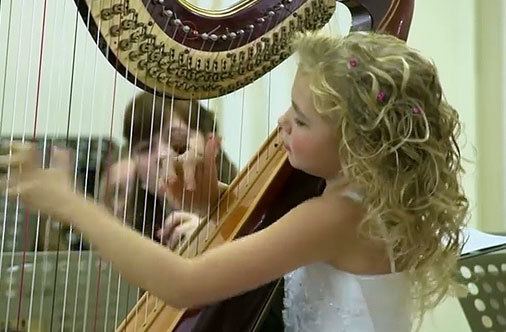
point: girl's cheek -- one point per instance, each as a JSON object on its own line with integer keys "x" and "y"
{"x": 297, "y": 143}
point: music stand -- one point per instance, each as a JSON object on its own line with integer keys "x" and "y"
{"x": 483, "y": 271}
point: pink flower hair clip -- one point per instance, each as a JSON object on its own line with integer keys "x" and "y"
{"x": 381, "y": 97}
{"x": 416, "y": 110}
{"x": 352, "y": 63}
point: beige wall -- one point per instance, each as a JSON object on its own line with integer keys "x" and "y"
{"x": 490, "y": 116}
{"x": 466, "y": 41}
{"x": 446, "y": 33}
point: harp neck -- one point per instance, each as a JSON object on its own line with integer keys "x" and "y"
{"x": 392, "y": 17}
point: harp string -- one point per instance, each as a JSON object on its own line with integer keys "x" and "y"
{"x": 12, "y": 268}
{"x": 56, "y": 136}
{"x": 134, "y": 190}
{"x": 136, "y": 202}
{"x": 228, "y": 176}
{"x": 8, "y": 43}
{"x": 210, "y": 179}
{"x": 76, "y": 179}
{"x": 148, "y": 171}
{"x": 188, "y": 142}
{"x": 38, "y": 212}
{"x": 86, "y": 184}
{"x": 26, "y": 211}
{"x": 126, "y": 197}
{"x": 37, "y": 228}
{"x": 11, "y": 274}
{"x": 88, "y": 153}
{"x": 158, "y": 164}
{"x": 169, "y": 141}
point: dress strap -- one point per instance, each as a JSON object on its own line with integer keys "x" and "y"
{"x": 359, "y": 198}
{"x": 354, "y": 196}
{"x": 391, "y": 259}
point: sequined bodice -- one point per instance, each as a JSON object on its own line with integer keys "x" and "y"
{"x": 320, "y": 298}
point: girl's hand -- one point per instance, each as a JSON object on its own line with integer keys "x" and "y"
{"x": 178, "y": 227}
{"x": 190, "y": 180}
{"x": 41, "y": 189}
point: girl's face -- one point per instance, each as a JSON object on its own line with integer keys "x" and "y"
{"x": 310, "y": 139}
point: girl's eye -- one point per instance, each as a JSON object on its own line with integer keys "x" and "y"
{"x": 299, "y": 123}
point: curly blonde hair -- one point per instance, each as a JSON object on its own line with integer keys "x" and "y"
{"x": 398, "y": 142}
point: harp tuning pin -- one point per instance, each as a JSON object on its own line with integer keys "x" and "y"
{"x": 160, "y": 1}
{"x": 186, "y": 28}
{"x": 251, "y": 27}
{"x": 270, "y": 13}
{"x": 281, "y": 6}
{"x": 232, "y": 35}
{"x": 168, "y": 12}
{"x": 178, "y": 22}
{"x": 260, "y": 20}
{"x": 195, "y": 32}
{"x": 240, "y": 32}
{"x": 204, "y": 36}
{"x": 224, "y": 37}
{"x": 213, "y": 37}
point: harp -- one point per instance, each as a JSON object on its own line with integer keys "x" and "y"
{"x": 169, "y": 48}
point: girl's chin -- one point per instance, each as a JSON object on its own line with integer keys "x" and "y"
{"x": 297, "y": 166}
{"x": 291, "y": 161}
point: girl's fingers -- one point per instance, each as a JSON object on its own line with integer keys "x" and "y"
{"x": 61, "y": 159}
{"x": 17, "y": 154}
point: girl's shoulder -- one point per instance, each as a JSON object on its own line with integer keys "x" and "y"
{"x": 343, "y": 207}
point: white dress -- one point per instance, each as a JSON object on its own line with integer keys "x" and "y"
{"x": 320, "y": 298}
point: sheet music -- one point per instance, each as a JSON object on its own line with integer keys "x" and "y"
{"x": 479, "y": 241}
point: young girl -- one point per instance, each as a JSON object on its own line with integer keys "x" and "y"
{"x": 368, "y": 116}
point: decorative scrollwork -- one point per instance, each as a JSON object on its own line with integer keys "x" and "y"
{"x": 160, "y": 63}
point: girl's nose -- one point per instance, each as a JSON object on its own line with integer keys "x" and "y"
{"x": 284, "y": 124}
